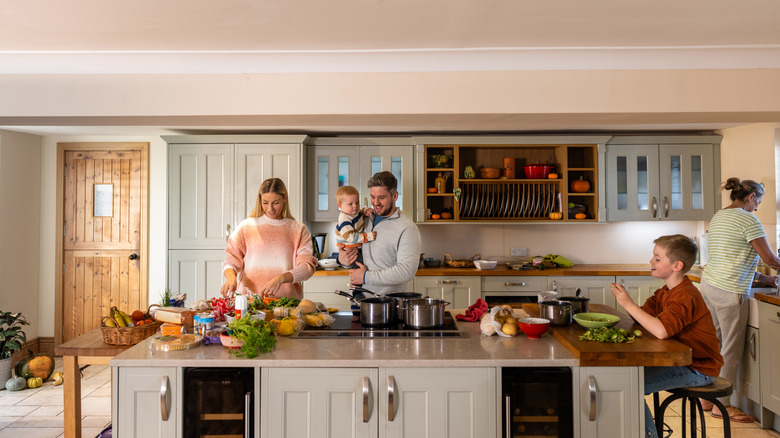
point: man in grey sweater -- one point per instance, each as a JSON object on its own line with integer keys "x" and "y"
{"x": 391, "y": 260}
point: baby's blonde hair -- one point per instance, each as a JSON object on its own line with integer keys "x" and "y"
{"x": 343, "y": 191}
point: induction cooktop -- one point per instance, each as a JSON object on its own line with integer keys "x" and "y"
{"x": 346, "y": 324}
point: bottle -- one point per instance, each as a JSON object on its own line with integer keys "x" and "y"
{"x": 440, "y": 180}
{"x": 241, "y": 306}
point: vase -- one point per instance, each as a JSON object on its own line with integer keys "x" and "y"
{"x": 6, "y": 368}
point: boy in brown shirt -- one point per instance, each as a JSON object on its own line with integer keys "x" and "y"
{"x": 677, "y": 311}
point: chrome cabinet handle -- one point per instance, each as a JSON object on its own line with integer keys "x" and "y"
{"x": 555, "y": 285}
{"x": 753, "y": 346}
{"x": 366, "y": 392}
{"x": 247, "y": 414}
{"x": 509, "y": 283}
{"x": 666, "y": 206}
{"x": 227, "y": 233}
{"x": 655, "y": 207}
{"x": 390, "y": 398}
{"x": 164, "y": 409}
{"x": 448, "y": 282}
{"x": 592, "y": 393}
{"x": 507, "y": 417}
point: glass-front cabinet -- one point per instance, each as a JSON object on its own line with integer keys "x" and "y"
{"x": 668, "y": 178}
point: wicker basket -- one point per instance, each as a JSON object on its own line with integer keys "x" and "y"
{"x": 449, "y": 261}
{"x": 128, "y": 335}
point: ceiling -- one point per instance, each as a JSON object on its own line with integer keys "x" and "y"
{"x": 260, "y": 36}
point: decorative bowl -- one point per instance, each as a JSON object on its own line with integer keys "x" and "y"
{"x": 537, "y": 170}
{"x": 432, "y": 262}
{"x": 229, "y": 342}
{"x": 596, "y": 320}
{"x": 440, "y": 161}
{"x": 489, "y": 172}
{"x": 534, "y": 327}
{"x": 329, "y": 264}
{"x": 485, "y": 264}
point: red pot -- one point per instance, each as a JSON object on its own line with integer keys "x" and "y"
{"x": 538, "y": 170}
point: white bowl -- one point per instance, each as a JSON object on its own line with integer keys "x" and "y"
{"x": 485, "y": 264}
{"x": 329, "y": 264}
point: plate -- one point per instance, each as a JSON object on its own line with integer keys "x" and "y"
{"x": 596, "y": 320}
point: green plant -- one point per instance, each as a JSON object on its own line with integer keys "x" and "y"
{"x": 165, "y": 297}
{"x": 12, "y": 338}
{"x": 256, "y": 334}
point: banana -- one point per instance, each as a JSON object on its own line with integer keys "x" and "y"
{"x": 110, "y": 322}
{"x": 127, "y": 318}
{"x": 120, "y": 322}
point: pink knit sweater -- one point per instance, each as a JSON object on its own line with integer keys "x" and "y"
{"x": 261, "y": 248}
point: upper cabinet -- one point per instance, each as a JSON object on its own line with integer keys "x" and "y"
{"x": 510, "y": 179}
{"x": 336, "y": 162}
{"x": 662, "y": 178}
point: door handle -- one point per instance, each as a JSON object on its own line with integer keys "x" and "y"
{"x": 247, "y": 414}
{"x": 666, "y": 206}
{"x": 390, "y": 398}
{"x": 655, "y": 207}
{"x": 164, "y": 409}
{"x": 752, "y": 344}
{"x": 227, "y": 233}
{"x": 133, "y": 256}
{"x": 448, "y": 281}
{"x": 507, "y": 417}
{"x": 555, "y": 286}
{"x": 509, "y": 283}
{"x": 592, "y": 398}
{"x": 366, "y": 396}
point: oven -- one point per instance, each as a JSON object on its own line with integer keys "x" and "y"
{"x": 514, "y": 290}
{"x": 537, "y": 402}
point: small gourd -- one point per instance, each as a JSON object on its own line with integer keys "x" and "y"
{"x": 580, "y": 216}
{"x": 34, "y": 382}
{"x": 580, "y": 185}
{"x": 16, "y": 384}
{"x": 555, "y": 215}
{"x": 58, "y": 378}
{"x": 552, "y": 175}
{"x": 468, "y": 173}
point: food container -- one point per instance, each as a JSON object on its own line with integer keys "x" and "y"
{"x": 534, "y": 328}
{"x": 432, "y": 262}
{"x": 558, "y": 312}
{"x": 578, "y": 304}
{"x": 424, "y": 312}
{"x": 400, "y": 301}
{"x": 377, "y": 311}
{"x": 489, "y": 172}
{"x": 537, "y": 170}
{"x": 328, "y": 264}
{"x": 485, "y": 264}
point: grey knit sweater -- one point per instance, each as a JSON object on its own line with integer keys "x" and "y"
{"x": 393, "y": 257}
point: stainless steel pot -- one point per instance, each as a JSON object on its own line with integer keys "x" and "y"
{"x": 377, "y": 311}
{"x": 400, "y": 299}
{"x": 425, "y": 312}
{"x": 578, "y": 304}
{"x": 558, "y": 312}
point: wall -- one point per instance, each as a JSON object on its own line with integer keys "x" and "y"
{"x": 20, "y": 249}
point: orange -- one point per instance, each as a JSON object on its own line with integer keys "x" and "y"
{"x": 137, "y": 315}
{"x": 432, "y": 190}
{"x": 435, "y": 216}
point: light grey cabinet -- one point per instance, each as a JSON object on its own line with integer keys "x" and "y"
{"x": 460, "y": 291}
{"x": 749, "y": 377}
{"x": 321, "y": 289}
{"x": 639, "y": 288}
{"x": 147, "y": 402}
{"x": 196, "y": 272}
{"x": 595, "y": 288}
{"x": 769, "y": 321}
{"x": 610, "y": 401}
{"x": 662, "y": 178}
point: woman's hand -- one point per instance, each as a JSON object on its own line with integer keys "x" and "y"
{"x": 272, "y": 287}
{"x": 347, "y": 256}
{"x": 231, "y": 283}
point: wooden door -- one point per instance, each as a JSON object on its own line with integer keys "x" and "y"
{"x": 104, "y": 248}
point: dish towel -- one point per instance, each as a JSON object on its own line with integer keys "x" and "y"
{"x": 474, "y": 312}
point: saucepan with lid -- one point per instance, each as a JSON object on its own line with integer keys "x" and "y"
{"x": 557, "y": 311}
{"x": 578, "y": 304}
{"x": 424, "y": 312}
{"x": 400, "y": 300}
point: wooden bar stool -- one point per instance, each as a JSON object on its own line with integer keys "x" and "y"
{"x": 719, "y": 388}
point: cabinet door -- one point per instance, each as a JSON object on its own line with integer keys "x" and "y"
{"x": 595, "y": 288}
{"x": 632, "y": 182}
{"x": 686, "y": 182}
{"x": 146, "y": 402}
{"x": 769, "y": 322}
{"x": 319, "y": 402}
{"x": 321, "y": 289}
{"x": 748, "y": 377}
{"x": 611, "y": 402}
{"x": 438, "y": 402}
{"x": 330, "y": 167}
{"x": 461, "y": 291}
{"x": 639, "y": 288}
{"x": 200, "y": 193}
{"x": 257, "y": 162}
{"x": 396, "y": 159}
{"x": 198, "y": 273}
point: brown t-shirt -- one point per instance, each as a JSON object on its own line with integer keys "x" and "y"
{"x": 686, "y": 318}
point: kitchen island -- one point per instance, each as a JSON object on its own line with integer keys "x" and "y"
{"x": 451, "y": 387}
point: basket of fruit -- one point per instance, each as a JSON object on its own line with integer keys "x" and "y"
{"x": 119, "y": 328}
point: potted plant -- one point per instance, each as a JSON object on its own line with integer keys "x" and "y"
{"x": 12, "y": 339}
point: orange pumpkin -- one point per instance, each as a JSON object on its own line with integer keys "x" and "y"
{"x": 446, "y": 215}
{"x": 556, "y": 215}
{"x": 435, "y": 216}
{"x": 580, "y": 185}
{"x": 552, "y": 176}
{"x": 580, "y": 216}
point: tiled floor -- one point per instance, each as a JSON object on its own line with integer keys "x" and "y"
{"x": 38, "y": 413}
{"x": 672, "y": 418}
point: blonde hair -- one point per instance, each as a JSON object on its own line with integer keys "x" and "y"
{"x": 679, "y": 248}
{"x": 271, "y": 185}
{"x": 343, "y": 191}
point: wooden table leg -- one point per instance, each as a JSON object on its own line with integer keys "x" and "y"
{"x": 72, "y": 396}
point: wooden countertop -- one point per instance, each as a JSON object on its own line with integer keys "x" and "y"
{"x": 583, "y": 270}
{"x": 646, "y": 351}
{"x": 771, "y": 299}
{"x": 89, "y": 344}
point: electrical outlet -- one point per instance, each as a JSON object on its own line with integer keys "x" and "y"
{"x": 519, "y": 252}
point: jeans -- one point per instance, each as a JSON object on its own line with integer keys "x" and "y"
{"x": 663, "y": 378}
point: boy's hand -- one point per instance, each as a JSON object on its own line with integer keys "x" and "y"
{"x": 368, "y": 212}
{"x": 621, "y": 295}
{"x": 374, "y": 233}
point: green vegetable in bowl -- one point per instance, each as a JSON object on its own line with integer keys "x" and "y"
{"x": 610, "y": 334}
{"x": 256, "y": 334}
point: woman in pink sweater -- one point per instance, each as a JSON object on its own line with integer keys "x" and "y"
{"x": 270, "y": 251}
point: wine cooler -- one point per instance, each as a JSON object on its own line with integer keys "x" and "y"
{"x": 218, "y": 402}
{"x": 537, "y": 402}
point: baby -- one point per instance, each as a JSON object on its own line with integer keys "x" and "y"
{"x": 349, "y": 228}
